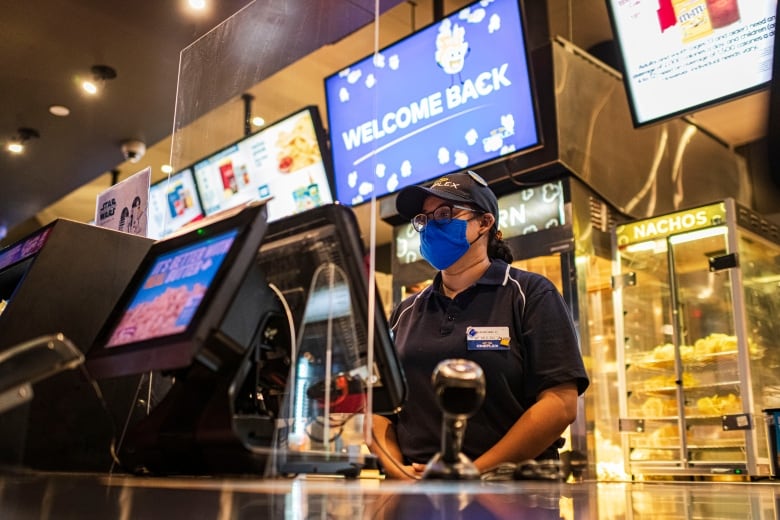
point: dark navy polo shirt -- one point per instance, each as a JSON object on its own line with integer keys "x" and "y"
{"x": 543, "y": 352}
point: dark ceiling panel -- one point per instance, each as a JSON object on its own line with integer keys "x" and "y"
{"x": 46, "y": 45}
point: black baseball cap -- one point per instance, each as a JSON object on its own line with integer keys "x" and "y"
{"x": 460, "y": 188}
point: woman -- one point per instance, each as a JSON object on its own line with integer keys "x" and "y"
{"x": 513, "y": 323}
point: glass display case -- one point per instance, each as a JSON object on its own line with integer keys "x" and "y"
{"x": 696, "y": 299}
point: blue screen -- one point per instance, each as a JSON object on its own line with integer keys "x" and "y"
{"x": 172, "y": 291}
{"x": 450, "y": 96}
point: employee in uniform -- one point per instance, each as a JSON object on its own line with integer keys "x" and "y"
{"x": 512, "y": 323}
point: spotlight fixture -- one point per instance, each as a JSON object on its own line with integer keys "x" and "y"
{"x": 24, "y": 134}
{"x": 100, "y": 74}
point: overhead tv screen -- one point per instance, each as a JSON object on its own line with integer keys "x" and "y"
{"x": 453, "y": 95}
{"x": 282, "y": 163}
{"x": 679, "y": 56}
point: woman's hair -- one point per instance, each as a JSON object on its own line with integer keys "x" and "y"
{"x": 497, "y": 248}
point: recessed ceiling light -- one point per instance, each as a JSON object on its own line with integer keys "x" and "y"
{"x": 59, "y": 110}
{"x": 15, "y": 147}
{"x": 24, "y": 134}
{"x": 100, "y": 74}
{"x": 258, "y": 121}
{"x": 166, "y": 168}
{"x": 90, "y": 87}
{"x": 197, "y": 4}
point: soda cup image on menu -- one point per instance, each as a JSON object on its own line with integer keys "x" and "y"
{"x": 229, "y": 184}
{"x": 723, "y": 12}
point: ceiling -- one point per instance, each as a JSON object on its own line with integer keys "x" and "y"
{"x": 47, "y": 45}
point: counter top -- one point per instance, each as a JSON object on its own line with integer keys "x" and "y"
{"x": 82, "y": 496}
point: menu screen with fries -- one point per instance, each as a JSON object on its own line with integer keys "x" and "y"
{"x": 282, "y": 163}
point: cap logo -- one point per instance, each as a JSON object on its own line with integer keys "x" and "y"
{"x": 445, "y": 182}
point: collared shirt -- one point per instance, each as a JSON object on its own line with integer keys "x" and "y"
{"x": 542, "y": 351}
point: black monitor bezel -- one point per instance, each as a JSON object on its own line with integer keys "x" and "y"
{"x": 181, "y": 349}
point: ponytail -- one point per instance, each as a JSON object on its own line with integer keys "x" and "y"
{"x": 497, "y": 248}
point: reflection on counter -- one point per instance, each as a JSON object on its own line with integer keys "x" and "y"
{"x": 35, "y": 496}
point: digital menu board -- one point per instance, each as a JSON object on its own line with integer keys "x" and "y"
{"x": 683, "y": 55}
{"x": 282, "y": 163}
{"x": 453, "y": 95}
{"x": 173, "y": 203}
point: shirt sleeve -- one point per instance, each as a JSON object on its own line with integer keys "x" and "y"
{"x": 550, "y": 340}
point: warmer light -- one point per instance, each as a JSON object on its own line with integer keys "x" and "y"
{"x": 166, "y": 168}
{"x": 197, "y": 4}
{"x": 258, "y": 121}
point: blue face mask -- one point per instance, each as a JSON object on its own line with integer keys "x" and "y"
{"x": 443, "y": 244}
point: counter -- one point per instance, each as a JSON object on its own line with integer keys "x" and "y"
{"x": 83, "y": 496}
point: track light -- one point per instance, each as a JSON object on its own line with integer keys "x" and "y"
{"x": 100, "y": 74}
{"x": 16, "y": 144}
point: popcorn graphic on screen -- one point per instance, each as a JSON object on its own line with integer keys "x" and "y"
{"x": 357, "y": 199}
{"x": 343, "y": 73}
{"x": 471, "y": 137}
{"x": 475, "y": 16}
{"x": 354, "y": 76}
{"x": 550, "y": 192}
{"x": 392, "y": 182}
{"x": 352, "y": 179}
{"x": 485, "y": 3}
{"x": 366, "y": 188}
{"x": 451, "y": 48}
{"x": 493, "y": 142}
{"x": 529, "y": 229}
{"x": 443, "y": 155}
{"x": 343, "y": 94}
{"x": 494, "y": 24}
{"x": 379, "y": 61}
{"x": 406, "y": 168}
{"x": 394, "y": 62}
{"x": 508, "y": 124}
{"x": 380, "y": 170}
{"x": 507, "y": 149}
{"x": 461, "y": 159}
{"x": 370, "y": 81}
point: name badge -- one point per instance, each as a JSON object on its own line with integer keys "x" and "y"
{"x": 487, "y": 338}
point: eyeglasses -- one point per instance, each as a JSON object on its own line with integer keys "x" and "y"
{"x": 441, "y": 215}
